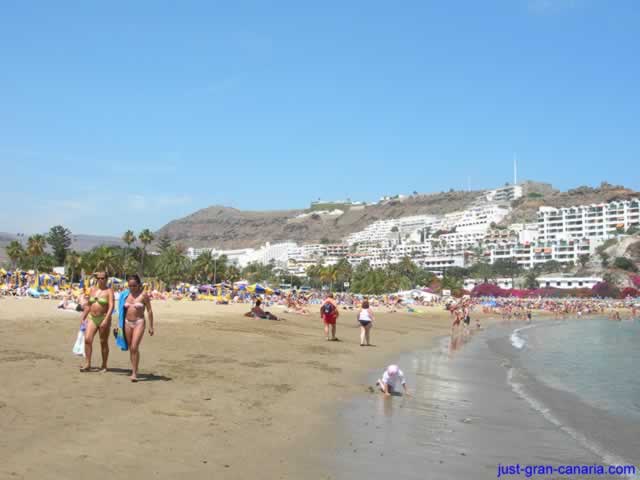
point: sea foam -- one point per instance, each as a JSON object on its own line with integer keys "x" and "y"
{"x": 516, "y": 340}
{"x": 606, "y": 456}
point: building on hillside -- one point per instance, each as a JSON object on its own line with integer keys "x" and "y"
{"x": 507, "y": 193}
{"x": 470, "y": 283}
{"x": 439, "y": 264}
{"x": 329, "y": 204}
{"x": 598, "y": 221}
{"x": 526, "y": 232}
{"x": 531, "y": 254}
{"x": 567, "y": 282}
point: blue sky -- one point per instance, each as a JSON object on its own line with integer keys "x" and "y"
{"x": 117, "y": 115}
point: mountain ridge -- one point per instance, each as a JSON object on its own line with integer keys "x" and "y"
{"x": 228, "y": 227}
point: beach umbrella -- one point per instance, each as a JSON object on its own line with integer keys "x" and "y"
{"x": 259, "y": 289}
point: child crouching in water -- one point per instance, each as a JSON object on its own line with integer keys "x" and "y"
{"x": 388, "y": 384}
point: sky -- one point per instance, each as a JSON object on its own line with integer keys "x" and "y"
{"x": 120, "y": 114}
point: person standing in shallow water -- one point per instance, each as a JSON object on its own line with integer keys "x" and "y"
{"x": 97, "y": 316}
{"x": 136, "y": 304}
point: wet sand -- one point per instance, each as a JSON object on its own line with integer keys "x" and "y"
{"x": 464, "y": 419}
{"x": 221, "y": 395}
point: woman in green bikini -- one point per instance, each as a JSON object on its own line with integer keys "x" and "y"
{"x": 98, "y": 312}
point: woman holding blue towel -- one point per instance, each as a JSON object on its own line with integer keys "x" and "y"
{"x": 137, "y": 302}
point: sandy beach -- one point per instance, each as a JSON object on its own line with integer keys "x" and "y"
{"x": 221, "y": 395}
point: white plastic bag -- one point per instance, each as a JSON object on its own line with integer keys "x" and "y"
{"x": 78, "y": 348}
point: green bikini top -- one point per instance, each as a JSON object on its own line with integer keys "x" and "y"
{"x": 100, "y": 300}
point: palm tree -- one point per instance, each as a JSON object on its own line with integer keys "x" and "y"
{"x": 172, "y": 266}
{"x": 15, "y": 252}
{"x": 329, "y": 274}
{"x": 204, "y": 267}
{"x": 233, "y": 273}
{"x": 35, "y": 248}
{"x": 73, "y": 264}
{"x": 531, "y": 280}
{"x": 106, "y": 260}
{"x": 313, "y": 272}
{"x": 129, "y": 237}
{"x": 145, "y": 237}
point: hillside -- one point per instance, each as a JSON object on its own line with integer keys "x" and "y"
{"x": 536, "y": 195}
{"x": 225, "y": 227}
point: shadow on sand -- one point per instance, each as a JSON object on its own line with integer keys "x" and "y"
{"x": 142, "y": 377}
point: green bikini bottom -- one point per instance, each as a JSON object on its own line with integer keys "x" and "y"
{"x": 97, "y": 319}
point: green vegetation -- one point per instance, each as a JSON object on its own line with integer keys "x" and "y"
{"x": 535, "y": 195}
{"x": 401, "y": 276}
{"x": 583, "y": 260}
{"x": 60, "y": 240}
{"x": 606, "y": 244}
{"x": 624, "y": 263}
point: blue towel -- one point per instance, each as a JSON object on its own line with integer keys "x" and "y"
{"x": 121, "y": 340}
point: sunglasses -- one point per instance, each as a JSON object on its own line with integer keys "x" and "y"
{"x": 101, "y": 278}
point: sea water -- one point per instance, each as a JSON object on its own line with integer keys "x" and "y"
{"x": 553, "y": 392}
{"x": 598, "y": 360}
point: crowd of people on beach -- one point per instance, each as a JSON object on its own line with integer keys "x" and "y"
{"x": 97, "y": 303}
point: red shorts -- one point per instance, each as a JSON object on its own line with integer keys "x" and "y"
{"x": 330, "y": 319}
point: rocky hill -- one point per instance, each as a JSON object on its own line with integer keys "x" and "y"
{"x": 538, "y": 194}
{"x": 225, "y": 227}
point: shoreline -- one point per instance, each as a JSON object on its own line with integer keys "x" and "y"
{"x": 460, "y": 402}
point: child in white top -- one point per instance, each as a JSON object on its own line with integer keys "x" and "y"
{"x": 390, "y": 378}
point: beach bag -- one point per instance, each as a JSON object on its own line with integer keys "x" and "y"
{"x": 78, "y": 347}
{"x": 328, "y": 309}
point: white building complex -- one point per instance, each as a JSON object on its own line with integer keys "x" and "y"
{"x": 438, "y": 242}
{"x": 602, "y": 220}
{"x": 531, "y": 254}
{"x": 568, "y": 282}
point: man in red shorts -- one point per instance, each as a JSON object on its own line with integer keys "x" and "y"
{"x": 329, "y": 314}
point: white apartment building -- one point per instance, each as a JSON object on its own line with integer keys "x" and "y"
{"x": 438, "y": 264}
{"x": 504, "y": 194}
{"x": 278, "y": 253}
{"x": 376, "y": 232}
{"x": 567, "y": 282}
{"x": 391, "y": 230}
{"x": 598, "y": 221}
{"x": 234, "y": 256}
{"x": 527, "y": 232}
{"x": 316, "y": 251}
{"x": 460, "y": 241}
{"x": 470, "y": 283}
{"x": 529, "y": 255}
